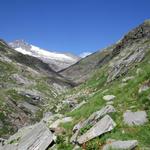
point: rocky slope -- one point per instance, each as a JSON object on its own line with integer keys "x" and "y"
{"x": 57, "y": 61}
{"x": 26, "y": 85}
{"x": 111, "y": 110}
{"x": 129, "y": 50}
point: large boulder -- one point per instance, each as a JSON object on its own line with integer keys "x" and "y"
{"x": 36, "y": 137}
{"x": 106, "y": 124}
{"x": 121, "y": 145}
{"x": 96, "y": 116}
{"x": 135, "y": 118}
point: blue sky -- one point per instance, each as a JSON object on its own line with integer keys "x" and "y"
{"x": 74, "y": 26}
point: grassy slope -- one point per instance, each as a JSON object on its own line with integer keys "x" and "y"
{"x": 127, "y": 98}
{"x": 40, "y": 81}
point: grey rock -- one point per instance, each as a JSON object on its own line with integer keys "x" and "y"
{"x": 9, "y": 147}
{"x": 143, "y": 88}
{"x": 59, "y": 88}
{"x": 109, "y": 97}
{"x": 47, "y": 116}
{"x": 106, "y": 124}
{"x": 37, "y": 137}
{"x": 28, "y": 107}
{"x": 1, "y": 142}
{"x": 121, "y": 145}
{"x": 20, "y": 79}
{"x": 128, "y": 55}
{"x": 96, "y": 116}
{"x": 74, "y": 137}
{"x": 135, "y": 118}
{"x": 35, "y": 95}
{"x": 105, "y": 110}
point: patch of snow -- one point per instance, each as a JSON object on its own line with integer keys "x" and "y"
{"x": 84, "y": 54}
{"x": 47, "y": 54}
{"x": 23, "y": 51}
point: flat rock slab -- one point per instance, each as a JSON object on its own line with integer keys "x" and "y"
{"x": 106, "y": 124}
{"x": 135, "y": 118}
{"x": 93, "y": 118}
{"x": 36, "y": 137}
{"x": 121, "y": 145}
{"x": 109, "y": 97}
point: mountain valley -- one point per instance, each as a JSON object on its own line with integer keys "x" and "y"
{"x": 100, "y": 102}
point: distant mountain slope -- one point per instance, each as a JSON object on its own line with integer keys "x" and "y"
{"x": 27, "y": 85}
{"x": 122, "y": 81}
{"x": 56, "y": 61}
{"x": 83, "y": 69}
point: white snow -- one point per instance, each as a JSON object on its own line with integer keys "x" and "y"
{"x": 23, "y": 51}
{"x": 47, "y": 54}
{"x": 84, "y": 54}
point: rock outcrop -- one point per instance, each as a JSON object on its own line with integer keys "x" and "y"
{"x": 106, "y": 124}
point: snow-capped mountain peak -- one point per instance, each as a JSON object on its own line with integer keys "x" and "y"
{"x": 56, "y": 60}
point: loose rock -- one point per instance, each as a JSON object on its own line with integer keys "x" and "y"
{"x": 106, "y": 124}
{"x": 109, "y": 97}
{"x": 135, "y": 118}
{"x": 96, "y": 116}
{"x": 121, "y": 145}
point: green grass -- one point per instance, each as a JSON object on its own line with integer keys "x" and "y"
{"x": 127, "y": 98}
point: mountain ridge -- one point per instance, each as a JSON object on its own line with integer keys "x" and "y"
{"x": 56, "y": 60}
